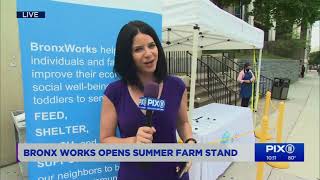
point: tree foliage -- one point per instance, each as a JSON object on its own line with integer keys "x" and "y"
{"x": 286, "y": 12}
{"x": 314, "y": 58}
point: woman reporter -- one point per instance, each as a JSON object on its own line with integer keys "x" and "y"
{"x": 140, "y": 59}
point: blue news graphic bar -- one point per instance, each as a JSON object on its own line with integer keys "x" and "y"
{"x": 293, "y": 152}
{"x": 17, "y": 156}
{"x": 31, "y": 14}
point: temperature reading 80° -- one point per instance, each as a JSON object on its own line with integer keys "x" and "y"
{"x": 291, "y": 158}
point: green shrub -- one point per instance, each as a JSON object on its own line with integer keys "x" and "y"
{"x": 314, "y": 58}
{"x": 292, "y": 48}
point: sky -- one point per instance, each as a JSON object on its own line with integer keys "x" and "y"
{"x": 315, "y": 37}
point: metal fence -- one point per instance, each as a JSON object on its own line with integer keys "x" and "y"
{"x": 179, "y": 62}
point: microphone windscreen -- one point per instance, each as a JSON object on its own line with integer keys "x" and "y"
{"x": 151, "y": 89}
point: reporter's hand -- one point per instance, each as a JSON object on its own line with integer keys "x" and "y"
{"x": 185, "y": 169}
{"x": 187, "y": 165}
{"x": 145, "y": 134}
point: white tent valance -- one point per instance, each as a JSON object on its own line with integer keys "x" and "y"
{"x": 194, "y": 25}
{"x": 218, "y": 28}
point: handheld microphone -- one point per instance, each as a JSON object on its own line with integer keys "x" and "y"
{"x": 150, "y": 103}
{"x": 151, "y": 90}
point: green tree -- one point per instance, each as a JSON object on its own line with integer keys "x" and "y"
{"x": 263, "y": 12}
{"x": 314, "y": 58}
{"x": 286, "y": 13}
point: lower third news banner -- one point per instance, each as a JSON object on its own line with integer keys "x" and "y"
{"x": 279, "y": 152}
{"x": 135, "y": 152}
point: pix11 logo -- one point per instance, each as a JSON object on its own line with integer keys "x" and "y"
{"x": 289, "y": 148}
{"x": 279, "y": 152}
{"x": 153, "y": 104}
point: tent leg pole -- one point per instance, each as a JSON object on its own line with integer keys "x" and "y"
{"x": 258, "y": 81}
{"x": 193, "y": 69}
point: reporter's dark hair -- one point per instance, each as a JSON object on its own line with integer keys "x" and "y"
{"x": 124, "y": 65}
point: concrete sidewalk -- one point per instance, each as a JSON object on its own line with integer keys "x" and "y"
{"x": 301, "y": 124}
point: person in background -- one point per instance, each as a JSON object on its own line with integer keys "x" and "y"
{"x": 139, "y": 59}
{"x": 246, "y": 78}
{"x": 303, "y": 69}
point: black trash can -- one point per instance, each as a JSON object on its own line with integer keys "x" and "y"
{"x": 280, "y": 88}
{"x": 276, "y": 88}
{"x": 285, "y": 89}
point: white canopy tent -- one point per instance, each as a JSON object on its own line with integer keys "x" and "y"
{"x": 195, "y": 25}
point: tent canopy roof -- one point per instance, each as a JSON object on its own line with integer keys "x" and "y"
{"x": 219, "y": 30}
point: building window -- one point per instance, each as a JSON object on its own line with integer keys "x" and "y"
{"x": 238, "y": 9}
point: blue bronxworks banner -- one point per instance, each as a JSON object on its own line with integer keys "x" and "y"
{"x": 67, "y": 59}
